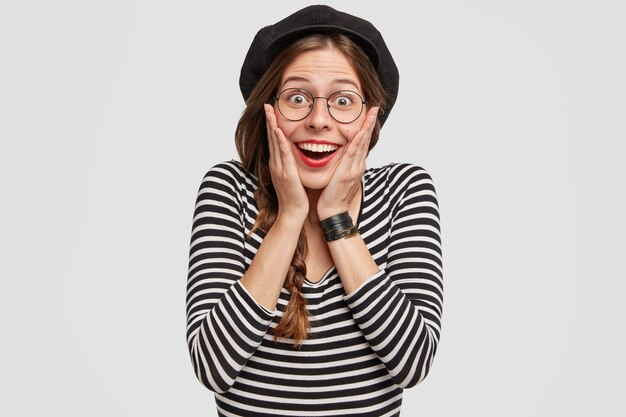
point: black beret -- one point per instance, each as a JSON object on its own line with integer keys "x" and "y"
{"x": 270, "y": 40}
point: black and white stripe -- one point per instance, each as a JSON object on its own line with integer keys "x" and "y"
{"x": 364, "y": 348}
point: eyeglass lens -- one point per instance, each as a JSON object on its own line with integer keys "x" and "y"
{"x": 344, "y": 106}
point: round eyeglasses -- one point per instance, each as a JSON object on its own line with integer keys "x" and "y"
{"x": 296, "y": 104}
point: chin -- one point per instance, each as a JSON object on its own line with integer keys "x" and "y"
{"x": 317, "y": 181}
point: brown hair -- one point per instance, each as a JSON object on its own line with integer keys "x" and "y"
{"x": 252, "y": 147}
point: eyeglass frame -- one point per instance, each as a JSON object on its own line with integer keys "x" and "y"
{"x": 363, "y": 103}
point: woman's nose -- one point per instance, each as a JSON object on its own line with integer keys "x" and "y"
{"x": 319, "y": 117}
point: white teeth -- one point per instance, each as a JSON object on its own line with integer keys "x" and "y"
{"x": 316, "y": 147}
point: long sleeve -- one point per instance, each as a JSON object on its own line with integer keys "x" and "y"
{"x": 399, "y": 309}
{"x": 225, "y": 325}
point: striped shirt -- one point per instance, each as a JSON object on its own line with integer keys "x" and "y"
{"x": 363, "y": 349}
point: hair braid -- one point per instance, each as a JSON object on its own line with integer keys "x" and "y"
{"x": 295, "y": 320}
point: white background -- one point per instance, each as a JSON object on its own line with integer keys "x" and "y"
{"x": 112, "y": 111}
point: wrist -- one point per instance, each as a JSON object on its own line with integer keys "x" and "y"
{"x": 338, "y": 226}
{"x": 289, "y": 221}
{"x": 326, "y": 213}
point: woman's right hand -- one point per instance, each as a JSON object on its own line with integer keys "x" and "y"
{"x": 293, "y": 202}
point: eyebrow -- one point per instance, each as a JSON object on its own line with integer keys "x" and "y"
{"x": 335, "y": 81}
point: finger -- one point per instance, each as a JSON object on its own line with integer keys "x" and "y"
{"x": 347, "y": 162}
{"x": 348, "y": 153}
{"x": 270, "y": 123}
{"x": 353, "y": 154}
{"x": 361, "y": 153}
{"x": 370, "y": 124}
{"x": 284, "y": 147}
{"x": 370, "y": 120}
{"x": 368, "y": 129}
{"x": 354, "y": 145}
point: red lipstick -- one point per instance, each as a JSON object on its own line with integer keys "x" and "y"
{"x": 316, "y": 162}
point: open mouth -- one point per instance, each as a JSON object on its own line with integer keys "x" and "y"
{"x": 317, "y": 151}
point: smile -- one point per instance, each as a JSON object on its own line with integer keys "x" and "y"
{"x": 316, "y": 155}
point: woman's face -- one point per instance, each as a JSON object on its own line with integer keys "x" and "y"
{"x": 318, "y": 140}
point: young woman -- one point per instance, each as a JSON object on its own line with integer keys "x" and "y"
{"x": 315, "y": 284}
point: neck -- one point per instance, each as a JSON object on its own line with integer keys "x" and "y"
{"x": 312, "y": 221}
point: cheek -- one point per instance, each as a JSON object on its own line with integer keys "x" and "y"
{"x": 286, "y": 127}
{"x": 350, "y": 130}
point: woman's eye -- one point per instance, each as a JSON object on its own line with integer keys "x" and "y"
{"x": 298, "y": 99}
{"x": 343, "y": 101}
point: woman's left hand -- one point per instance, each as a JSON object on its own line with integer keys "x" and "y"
{"x": 346, "y": 178}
